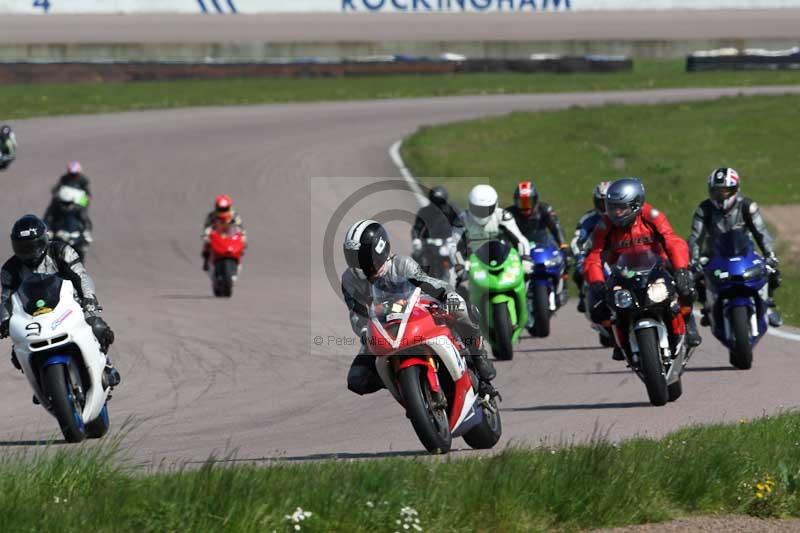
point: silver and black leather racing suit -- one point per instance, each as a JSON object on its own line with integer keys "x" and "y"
{"x": 709, "y": 222}
{"x": 362, "y": 377}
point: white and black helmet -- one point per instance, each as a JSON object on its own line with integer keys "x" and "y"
{"x": 482, "y": 203}
{"x": 366, "y": 247}
{"x": 599, "y": 196}
{"x": 624, "y": 200}
{"x": 723, "y": 187}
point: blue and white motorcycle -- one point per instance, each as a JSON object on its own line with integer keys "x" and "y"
{"x": 59, "y": 354}
{"x": 737, "y": 291}
{"x": 546, "y": 288}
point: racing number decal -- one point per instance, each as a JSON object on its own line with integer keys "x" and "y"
{"x": 44, "y": 5}
{"x": 34, "y": 329}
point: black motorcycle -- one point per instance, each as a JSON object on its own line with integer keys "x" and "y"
{"x": 644, "y": 300}
{"x": 72, "y": 231}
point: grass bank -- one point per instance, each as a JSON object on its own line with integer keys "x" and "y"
{"x": 751, "y": 467}
{"x": 21, "y": 101}
{"x": 671, "y": 147}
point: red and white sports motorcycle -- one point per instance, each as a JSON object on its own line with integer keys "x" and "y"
{"x": 226, "y": 244}
{"x": 419, "y": 361}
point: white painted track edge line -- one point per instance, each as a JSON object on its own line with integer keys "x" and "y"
{"x": 397, "y": 159}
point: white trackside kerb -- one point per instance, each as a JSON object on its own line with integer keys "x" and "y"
{"x": 394, "y": 153}
{"x": 67, "y": 324}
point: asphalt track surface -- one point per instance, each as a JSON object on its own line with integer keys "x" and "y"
{"x": 205, "y": 375}
{"x": 441, "y": 27}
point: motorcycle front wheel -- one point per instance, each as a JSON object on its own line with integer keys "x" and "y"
{"x": 651, "y": 367}
{"x": 502, "y": 348}
{"x": 66, "y": 408}
{"x": 429, "y": 422}
{"x": 741, "y": 355}
{"x": 486, "y": 434}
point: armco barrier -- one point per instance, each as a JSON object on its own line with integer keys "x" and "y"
{"x": 50, "y": 72}
{"x": 363, "y": 6}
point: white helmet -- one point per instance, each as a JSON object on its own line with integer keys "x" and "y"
{"x": 482, "y": 203}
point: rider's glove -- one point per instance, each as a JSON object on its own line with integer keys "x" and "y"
{"x": 4, "y": 329}
{"x": 416, "y": 245}
{"x": 599, "y": 311}
{"x": 527, "y": 265}
{"x": 684, "y": 281}
{"x": 87, "y": 235}
{"x": 90, "y": 306}
{"x": 102, "y": 331}
{"x": 772, "y": 260}
{"x": 364, "y": 337}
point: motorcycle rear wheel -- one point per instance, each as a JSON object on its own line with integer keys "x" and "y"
{"x": 651, "y": 367}
{"x": 58, "y": 388}
{"x": 741, "y": 356}
{"x": 502, "y": 348}
{"x": 430, "y": 424}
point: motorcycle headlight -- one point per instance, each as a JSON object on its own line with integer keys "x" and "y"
{"x": 509, "y": 276}
{"x": 623, "y": 299}
{"x": 555, "y": 261}
{"x": 657, "y": 292}
{"x": 753, "y": 272}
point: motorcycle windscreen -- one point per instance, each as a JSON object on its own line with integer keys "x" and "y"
{"x": 40, "y": 293}
{"x": 638, "y": 261}
{"x": 493, "y": 253}
{"x": 542, "y": 238}
{"x": 734, "y": 243}
{"x": 392, "y": 302}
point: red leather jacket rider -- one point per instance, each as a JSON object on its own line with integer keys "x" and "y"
{"x": 650, "y": 231}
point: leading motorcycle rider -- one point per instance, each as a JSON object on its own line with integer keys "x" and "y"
{"x": 8, "y": 146}
{"x": 632, "y": 225}
{"x": 727, "y": 209}
{"x": 367, "y": 251}
{"x": 35, "y": 253}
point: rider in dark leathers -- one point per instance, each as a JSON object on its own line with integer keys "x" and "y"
{"x": 35, "y": 253}
{"x": 531, "y": 215}
{"x": 437, "y": 220}
{"x": 63, "y": 210}
{"x": 367, "y": 251}
{"x": 727, "y": 209}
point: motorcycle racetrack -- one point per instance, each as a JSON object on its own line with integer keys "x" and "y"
{"x": 203, "y": 375}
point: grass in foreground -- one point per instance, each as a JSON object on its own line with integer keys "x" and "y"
{"x": 672, "y": 148}
{"x": 21, "y": 101}
{"x": 751, "y": 467}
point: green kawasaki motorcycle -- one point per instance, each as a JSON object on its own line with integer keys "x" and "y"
{"x": 497, "y": 289}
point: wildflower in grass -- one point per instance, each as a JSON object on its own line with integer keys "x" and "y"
{"x": 409, "y": 519}
{"x": 297, "y": 517}
{"x": 370, "y": 504}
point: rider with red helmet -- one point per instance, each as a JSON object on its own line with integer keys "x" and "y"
{"x": 631, "y": 224}
{"x": 223, "y": 215}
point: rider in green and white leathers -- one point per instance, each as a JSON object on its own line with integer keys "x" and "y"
{"x": 483, "y": 221}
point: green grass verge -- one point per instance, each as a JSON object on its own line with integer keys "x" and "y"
{"x": 20, "y": 101}
{"x": 671, "y": 147}
{"x": 714, "y": 469}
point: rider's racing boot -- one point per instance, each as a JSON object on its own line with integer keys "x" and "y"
{"x": 111, "y": 376}
{"x": 15, "y": 361}
{"x": 618, "y": 354}
{"x": 693, "y": 338}
{"x": 480, "y": 361}
{"x": 705, "y": 321}
{"x": 774, "y": 317}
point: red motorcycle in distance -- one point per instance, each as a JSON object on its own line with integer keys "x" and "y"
{"x": 419, "y": 360}
{"x": 226, "y": 246}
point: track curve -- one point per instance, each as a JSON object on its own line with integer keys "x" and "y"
{"x": 203, "y": 376}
